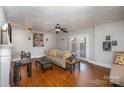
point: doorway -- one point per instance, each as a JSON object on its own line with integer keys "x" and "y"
{"x": 79, "y": 44}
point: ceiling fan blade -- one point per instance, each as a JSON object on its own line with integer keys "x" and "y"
{"x": 64, "y": 30}
{"x": 57, "y": 29}
{"x": 51, "y": 30}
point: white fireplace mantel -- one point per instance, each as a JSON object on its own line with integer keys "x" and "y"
{"x": 5, "y": 61}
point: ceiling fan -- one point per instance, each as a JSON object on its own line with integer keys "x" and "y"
{"x": 58, "y": 29}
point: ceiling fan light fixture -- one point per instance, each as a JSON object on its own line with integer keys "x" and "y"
{"x": 58, "y": 30}
{"x": 29, "y": 29}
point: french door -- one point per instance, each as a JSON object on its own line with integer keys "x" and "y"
{"x": 78, "y": 44}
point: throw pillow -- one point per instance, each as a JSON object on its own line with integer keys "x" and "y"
{"x": 53, "y": 52}
{"x": 119, "y": 59}
{"x": 67, "y": 53}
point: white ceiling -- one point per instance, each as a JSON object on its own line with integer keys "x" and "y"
{"x": 43, "y": 18}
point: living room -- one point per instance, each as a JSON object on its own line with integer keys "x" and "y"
{"x": 97, "y": 30}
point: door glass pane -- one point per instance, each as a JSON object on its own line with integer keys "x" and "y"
{"x": 73, "y": 43}
{"x": 83, "y": 47}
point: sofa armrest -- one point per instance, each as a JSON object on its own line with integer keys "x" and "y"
{"x": 116, "y": 74}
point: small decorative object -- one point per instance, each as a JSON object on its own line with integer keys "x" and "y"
{"x": 114, "y": 43}
{"x": 71, "y": 58}
{"x": 42, "y": 45}
{"x": 29, "y": 38}
{"x": 62, "y": 39}
{"x": 106, "y": 46}
{"x": 38, "y": 40}
{"x": 108, "y": 37}
{"x": 46, "y": 39}
{"x": 25, "y": 55}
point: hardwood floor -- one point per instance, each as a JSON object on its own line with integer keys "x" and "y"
{"x": 89, "y": 76}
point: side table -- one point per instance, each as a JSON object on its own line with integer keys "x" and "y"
{"x": 72, "y": 65}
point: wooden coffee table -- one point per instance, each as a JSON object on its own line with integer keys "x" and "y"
{"x": 72, "y": 64}
{"x": 44, "y": 64}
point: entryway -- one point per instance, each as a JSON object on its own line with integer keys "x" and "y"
{"x": 79, "y": 44}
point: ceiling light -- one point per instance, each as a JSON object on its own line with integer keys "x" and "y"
{"x": 57, "y": 29}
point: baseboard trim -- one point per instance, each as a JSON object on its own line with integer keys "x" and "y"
{"x": 98, "y": 63}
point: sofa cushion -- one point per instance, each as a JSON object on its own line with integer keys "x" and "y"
{"x": 57, "y": 60}
{"x": 59, "y": 53}
{"x": 58, "y": 57}
{"x": 119, "y": 59}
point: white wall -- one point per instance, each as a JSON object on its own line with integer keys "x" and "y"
{"x": 21, "y": 42}
{"x": 96, "y": 37}
{"x": 90, "y": 33}
{"x": 2, "y": 16}
{"x": 65, "y": 44}
{"x": 116, "y": 31}
{"x": 62, "y": 44}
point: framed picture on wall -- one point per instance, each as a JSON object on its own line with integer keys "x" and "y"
{"x": 114, "y": 43}
{"x": 106, "y": 46}
{"x": 108, "y": 37}
{"x": 38, "y": 40}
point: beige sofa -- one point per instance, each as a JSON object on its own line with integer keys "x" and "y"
{"x": 117, "y": 69}
{"x": 58, "y": 57}
{"x": 117, "y": 74}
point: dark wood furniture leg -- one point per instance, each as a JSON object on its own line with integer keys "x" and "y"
{"x": 51, "y": 68}
{"x": 79, "y": 66}
{"x": 71, "y": 68}
{"x": 66, "y": 67}
{"x": 36, "y": 64}
{"x": 43, "y": 69}
{"x": 29, "y": 70}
